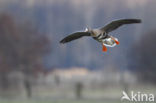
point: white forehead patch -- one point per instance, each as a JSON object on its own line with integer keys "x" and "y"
{"x": 86, "y": 30}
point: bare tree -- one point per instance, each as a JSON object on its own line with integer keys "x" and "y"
{"x": 143, "y": 57}
{"x": 22, "y": 47}
{"x": 78, "y": 90}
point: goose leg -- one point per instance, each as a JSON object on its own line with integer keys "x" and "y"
{"x": 117, "y": 42}
{"x": 104, "y": 49}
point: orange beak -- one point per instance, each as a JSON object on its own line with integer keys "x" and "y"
{"x": 104, "y": 49}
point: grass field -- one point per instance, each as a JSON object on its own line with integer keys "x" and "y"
{"x": 112, "y": 95}
{"x": 65, "y": 101}
{"x": 57, "y": 101}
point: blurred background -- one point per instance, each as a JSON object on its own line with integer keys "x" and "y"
{"x": 35, "y": 68}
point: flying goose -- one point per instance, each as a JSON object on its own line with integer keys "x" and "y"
{"x": 101, "y": 35}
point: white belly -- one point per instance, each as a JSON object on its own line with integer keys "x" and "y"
{"x": 109, "y": 42}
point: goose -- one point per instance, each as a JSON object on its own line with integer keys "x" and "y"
{"x": 101, "y": 34}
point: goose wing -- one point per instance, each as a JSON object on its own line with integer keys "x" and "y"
{"x": 74, "y": 36}
{"x": 116, "y": 24}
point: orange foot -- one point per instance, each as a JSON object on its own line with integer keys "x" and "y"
{"x": 104, "y": 49}
{"x": 117, "y": 42}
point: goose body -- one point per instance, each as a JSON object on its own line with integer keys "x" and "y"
{"x": 101, "y": 35}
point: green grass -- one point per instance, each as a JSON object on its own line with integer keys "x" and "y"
{"x": 63, "y": 101}
{"x": 56, "y": 101}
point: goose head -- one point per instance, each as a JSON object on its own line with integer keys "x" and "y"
{"x": 88, "y": 29}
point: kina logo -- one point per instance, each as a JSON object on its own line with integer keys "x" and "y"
{"x": 137, "y": 97}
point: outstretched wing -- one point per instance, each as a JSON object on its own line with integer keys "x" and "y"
{"x": 74, "y": 36}
{"x": 115, "y": 24}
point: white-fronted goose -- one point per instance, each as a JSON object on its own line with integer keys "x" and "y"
{"x": 101, "y": 35}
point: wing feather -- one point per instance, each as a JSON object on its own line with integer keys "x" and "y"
{"x": 74, "y": 36}
{"x": 116, "y": 24}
